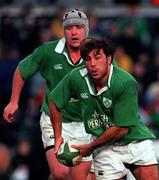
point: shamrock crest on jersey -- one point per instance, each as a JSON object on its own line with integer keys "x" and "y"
{"x": 107, "y": 102}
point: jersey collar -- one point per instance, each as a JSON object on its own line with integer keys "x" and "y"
{"x": 84, "y": 73}
{"x": 60, "y": 48}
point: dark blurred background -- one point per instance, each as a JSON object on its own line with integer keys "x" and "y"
{"x": 24, "y": 25}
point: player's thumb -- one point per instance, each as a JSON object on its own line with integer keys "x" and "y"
{"x": 56, "y": 148}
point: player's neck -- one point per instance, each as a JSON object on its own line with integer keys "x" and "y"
{"x": 74, "y": 54}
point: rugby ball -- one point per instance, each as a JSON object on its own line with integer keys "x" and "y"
{"x": 68, "y": 155}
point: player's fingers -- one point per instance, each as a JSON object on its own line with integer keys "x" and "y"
{"x": 79, "y": 159}
{"x": 54, "y": 151}
{"x": 75, "y": 146}
{"x": 7, "y": 117}
{"x": 56, "y": 148}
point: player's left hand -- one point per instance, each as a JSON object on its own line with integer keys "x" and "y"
{"x": 85, "y": 149}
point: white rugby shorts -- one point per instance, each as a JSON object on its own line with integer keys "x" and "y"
{"x": 156, "y": 148}
{"x": 73, "y": 131}
{"x": 109, "y": 160}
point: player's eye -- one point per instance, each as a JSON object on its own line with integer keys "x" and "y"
{"x": 97, "y": 57}
{"x": 87, "y": 58}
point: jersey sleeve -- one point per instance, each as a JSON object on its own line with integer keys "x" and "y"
{"x": 126, "y": 107}
{"x": 31, "y": 64}
{"x": 62, "y": 94}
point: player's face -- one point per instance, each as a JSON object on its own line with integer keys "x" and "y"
{"x": 98, "y": 64}
{"x": 74, "y": 35}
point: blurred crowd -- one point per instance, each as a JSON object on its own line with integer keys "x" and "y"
{"x": 137, "y": 51}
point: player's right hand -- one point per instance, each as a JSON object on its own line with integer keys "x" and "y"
{"x": 9, "y": 112}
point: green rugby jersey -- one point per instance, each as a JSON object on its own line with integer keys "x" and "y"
{"x": 115, "y": 104}
{"x": 53, "y": 62}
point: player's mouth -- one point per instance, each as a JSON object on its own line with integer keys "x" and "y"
{"x": 94, "y": 72}
{"x": 75, "y": 39}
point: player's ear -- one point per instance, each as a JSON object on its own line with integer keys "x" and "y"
{"x": 109, "y": 59}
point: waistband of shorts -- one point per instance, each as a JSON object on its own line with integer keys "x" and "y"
{"x": 73, "y": 123}
{"x": 126, "y": 143}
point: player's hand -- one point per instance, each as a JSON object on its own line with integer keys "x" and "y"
{"x": 9, "y": 112}
{"x": 58, "y": 143}
{"x": 85, "y": 149}
{"x": 79, "y": 159}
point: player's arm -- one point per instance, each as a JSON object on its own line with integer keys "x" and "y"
{"x": 59, "y": 98}
{"x": 25, "y": 70}
{"x": 17, "y": 86}
{"x": 111, "y": 135}
{"x": 56, "y": 120}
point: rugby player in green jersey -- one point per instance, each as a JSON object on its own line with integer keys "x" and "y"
{"x": 54, "y": 60}
{"x": 109, "y": 103}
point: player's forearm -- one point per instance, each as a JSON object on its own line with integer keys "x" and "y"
{"x": 109, "y": 136}
{"x": 17, "y": 86}
{"x": 55, "y": 115}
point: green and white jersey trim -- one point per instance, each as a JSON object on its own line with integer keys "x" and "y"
{"x": 84, "y": 73}
{"x": 60, "y": 48}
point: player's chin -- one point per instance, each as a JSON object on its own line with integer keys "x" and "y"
{"x": 95, "y": 77}
{"x": 75, "y": 44}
